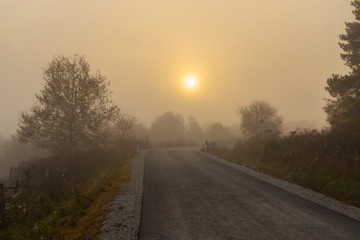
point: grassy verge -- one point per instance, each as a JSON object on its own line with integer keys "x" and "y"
{"x": 82, "y": 217}
{"x": 89, "y": 225}
{"x": 337, "y": 180}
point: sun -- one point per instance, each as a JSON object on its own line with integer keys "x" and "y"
{"x": 190, "y": 81}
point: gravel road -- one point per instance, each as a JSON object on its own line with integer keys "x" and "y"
{"x": 191, "y": 195}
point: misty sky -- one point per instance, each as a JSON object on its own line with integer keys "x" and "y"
{"x": 281, "y": 51}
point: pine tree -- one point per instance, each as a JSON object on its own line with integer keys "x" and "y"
{"x": 344, "y": 108}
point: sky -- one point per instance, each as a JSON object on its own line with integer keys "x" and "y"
{"x": 280, "y": 51}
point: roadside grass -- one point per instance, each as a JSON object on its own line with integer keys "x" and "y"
{"x": 334, "y": 179}
{"x": 89, "y": 225}
{"x": 81, "y": 217}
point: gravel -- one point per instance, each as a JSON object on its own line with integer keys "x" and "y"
{"x": 123, "y": 220}
{"x": 347, "y": 210}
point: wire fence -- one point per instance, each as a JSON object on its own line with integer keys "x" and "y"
{"x": 7, "y": 196}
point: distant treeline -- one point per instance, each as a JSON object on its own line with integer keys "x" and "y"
{"x": 170, "y": 129}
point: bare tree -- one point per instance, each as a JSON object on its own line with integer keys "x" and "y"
{"x": 123, "y": 124}
{"x": 260, "y": 120}
{"x": 70, "y": 110}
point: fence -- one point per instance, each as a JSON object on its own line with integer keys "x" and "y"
{"x": 2, "y": 203}
{"x": 4, "y": 200}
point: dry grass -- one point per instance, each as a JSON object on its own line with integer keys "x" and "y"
{"x": 327, "y": 163}
{"x": 89, "y": 225}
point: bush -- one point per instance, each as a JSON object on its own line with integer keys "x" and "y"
{"x": 316, "y": 160}
{"x": 47, "y": 183}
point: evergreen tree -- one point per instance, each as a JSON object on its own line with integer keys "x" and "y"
{"x": 344, "y": 108}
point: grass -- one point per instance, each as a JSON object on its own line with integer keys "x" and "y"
{"x": 338, "y": 181}
{"x": 82, "y": 217}
{"x": 89, "y": 225}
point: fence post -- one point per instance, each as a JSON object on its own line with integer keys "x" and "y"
{"x": 17, "y": 186}
{"x": 2, "y": 203}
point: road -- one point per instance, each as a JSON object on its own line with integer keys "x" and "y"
{"x": 187, "y": 195}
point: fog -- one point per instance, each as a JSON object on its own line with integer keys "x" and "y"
{"x": 12, "y": 152}
{"x": 205, "y": 92}
{"x": 279, "y": 51}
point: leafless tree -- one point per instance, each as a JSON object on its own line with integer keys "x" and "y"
{"x": 260, "y": 120}
{"x": 124, "y": 124}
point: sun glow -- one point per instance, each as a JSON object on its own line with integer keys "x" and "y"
{"x": 190, "y": 81}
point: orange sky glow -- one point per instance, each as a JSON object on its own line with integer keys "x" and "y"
{"x": 239, "y": 51}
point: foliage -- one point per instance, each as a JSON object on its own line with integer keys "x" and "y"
{"x": 89, "y": 225}
{"x": 171, "y": 130}
{"x": 122, "y": 126}
{"x": 344, "y": 108}
{"x": 260, "y": 120}
{"x": 195, "y": 134}
{"x": 55, "y": 191}
{"x": 326, "y": 161}
{"x": 70, "y": 110}
{"x": 168, "y": 128}
{"x": 350, "y": 44}
{"x": 141, "y": 131}
{"x": 219, "y": 133}
{"x": 87, "y": 134}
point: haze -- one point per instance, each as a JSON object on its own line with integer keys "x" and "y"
{"x": 280, "y": 51}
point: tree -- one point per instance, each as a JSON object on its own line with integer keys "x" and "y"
{"x": 168, "y": 128}
{"x": 140, "y": 130}
{"x": 70, "y": 110}
{"x": 260, "y": 120}
{"x": 344, "y": 108}
{"x": 123, "y": 125}
{"x": 194, "y": 132}
{"x": 219, "y": 133}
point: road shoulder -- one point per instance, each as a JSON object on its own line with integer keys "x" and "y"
{"x": 320, "y": 199}
{"x": 123, "y": 221}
